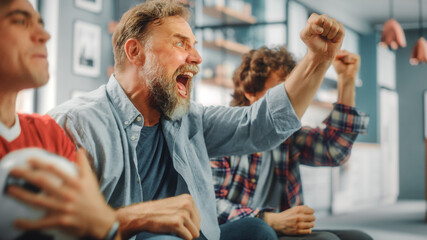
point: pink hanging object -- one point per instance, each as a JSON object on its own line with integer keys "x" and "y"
{"x": 419, "y": 52}
{"x": 393, "y": 35}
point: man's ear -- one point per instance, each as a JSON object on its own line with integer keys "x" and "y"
{"x": 252, "y": 97}
{"x": 135, "y": 52}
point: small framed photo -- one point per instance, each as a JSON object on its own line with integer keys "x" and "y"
{"x": 87, "y": 49}
{"x": 90, "y": 5}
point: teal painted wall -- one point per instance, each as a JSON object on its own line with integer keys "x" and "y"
{"x": 411, "y": 82}
{"x": 367, "y": 94}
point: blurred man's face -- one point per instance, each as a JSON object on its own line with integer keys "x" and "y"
{"x": 22, "y": 47}
{"x": 171, "y": 61}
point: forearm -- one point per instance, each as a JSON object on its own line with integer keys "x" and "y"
{"x": 346, "y": 90}
{"x": 305, "y": 79}
{"x": 268, "y": 218}
{"x": 131, "y": 220}
{"x": 177, "y": 215}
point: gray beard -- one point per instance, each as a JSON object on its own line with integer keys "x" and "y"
{"x": 163, "y": 91}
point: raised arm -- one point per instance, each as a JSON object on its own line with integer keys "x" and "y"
{"x": 323, "y": 37}
{"x": 331, "y": 145}
{"x": 346, "y": 65}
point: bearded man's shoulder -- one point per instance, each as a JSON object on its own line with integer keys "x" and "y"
{"x": 86, "y": 107}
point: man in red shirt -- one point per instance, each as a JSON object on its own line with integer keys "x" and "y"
{"x": 76, "y": 206}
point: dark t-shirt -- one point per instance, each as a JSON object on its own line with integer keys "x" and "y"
{"x": 155, "y": 166}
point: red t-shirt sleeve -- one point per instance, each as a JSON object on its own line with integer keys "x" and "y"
{"x": 64, "y": 145}
{"x": 54, "y": 138}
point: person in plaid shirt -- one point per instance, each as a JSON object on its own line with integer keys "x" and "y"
{"x": 268, "y": 184}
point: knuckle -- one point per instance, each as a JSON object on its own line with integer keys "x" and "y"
{"x": 182, "y": 215}
{"x": 177, "y": 223}
{"x": 39, "y": 180}
{"x": 68, "y": 208}
{"x": 50, "y": 167}
{"x": 188, "y": 197}
{"x": 69, "y": 197}
{"x": 63, "y": 221}
{"x": 186, "y": 206}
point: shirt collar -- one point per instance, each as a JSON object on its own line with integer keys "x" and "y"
{"x": 124, "y": 107}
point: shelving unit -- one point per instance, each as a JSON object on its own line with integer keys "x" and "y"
{"x": 222, "y": 48}
{"x": 229, "y": 46}
{"x": 229, "y": 15}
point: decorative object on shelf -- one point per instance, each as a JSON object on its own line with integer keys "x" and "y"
{"x": 90, "y": 5}
{"x": 392, "y": 35}
{"x": 419, "y": 52}
{"x": 87, "y": 49}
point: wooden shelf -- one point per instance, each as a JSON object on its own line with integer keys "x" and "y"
{"x": 232, "y": 47}
{"x": 228, "y": 15}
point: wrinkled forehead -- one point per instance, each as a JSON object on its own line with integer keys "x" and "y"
{"x": 172, "y": 26}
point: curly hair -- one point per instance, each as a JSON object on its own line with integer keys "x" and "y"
{"x": 257, "y": 65}
{"x": 134, "y": 23}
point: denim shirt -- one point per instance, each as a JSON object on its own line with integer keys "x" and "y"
{"x": 108, "y": 126}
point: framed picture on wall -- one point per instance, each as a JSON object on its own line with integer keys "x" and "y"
{"x": 87, "y": 49}
{"x": 90, "y": 5}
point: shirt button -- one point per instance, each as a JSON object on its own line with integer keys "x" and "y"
{"x": 138, "y": 119}
{"x": 126, "y": 122}
{"x": 133, "y": 138}
{"x": 253, "y": 180}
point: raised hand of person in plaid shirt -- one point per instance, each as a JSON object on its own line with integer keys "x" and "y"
{"x": 268, "y": 184}
{"x": 300, "y": 219}
{"x": 346, "y": 65}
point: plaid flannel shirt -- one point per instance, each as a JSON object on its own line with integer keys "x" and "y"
{"x": 235, "y": 177}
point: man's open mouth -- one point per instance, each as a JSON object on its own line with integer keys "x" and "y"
{"x": 182, "y": 82}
